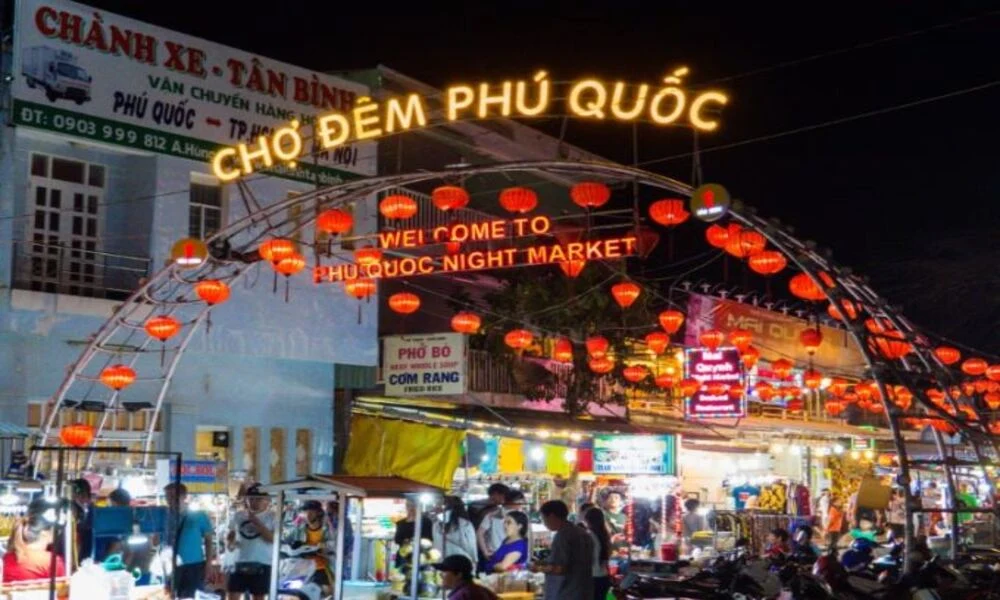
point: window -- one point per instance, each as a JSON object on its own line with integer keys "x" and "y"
{"x": 66, "y": 196}
{"x": 205, "y": 212}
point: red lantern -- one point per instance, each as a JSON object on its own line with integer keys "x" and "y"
{"x": 865, "y": 390}
{"x": 77, "y": 436}
{"x": 935, "y": 395}
{"x": 745, "y": 243}
{"x": 838, "y": 386}
{"x": 992, "y": 399}
{"x": 750, "y": 356}
{"x": 717, "y": 388}
{"x": 360, "y": 288}
{"x": 665, "y": 381}
{"x": 590, "y": 194}
{"x": 449, "y": 197}
{"x": 811, "y": 338}
{"x": 625, "y": 293}
{"x": 563, "y": 351}
{"x": 572, "y": 268}
{"x": 635, "y": 373}
{"x": 290, "y": 265}
{"x": 834, "y": 408}
{"x": 212, "y": 291}
{"x": 736, "y": 391}
{"x": 892, "y": 345}
{"x": 902, "y": 396}
{"x": 597, "y": 346}
{"x": 764, "y": 390}
{"x": 741, "y": 338}
{"x": 848, "y": 309}
{"x": 802, "y": 286}
{"x": 162, "y": 328}
{"x": 826, "y": 279}
{"x": 717, "y": 236}
{"x": 518, "y": 339}
{"x": 518, "y": 200}
{"x": 452, "y": 248}
{"x": 767, "y": 262}
{"x": 334, "y": 221}
{"x": 669, "y": 212}
{"x": 689, "y": 387}
{"x": 117, "y": 377}
{"x": 790, "y": 391}
{"x": 397, "y": 207}
{"x": 874, "y": 326}
{"x": 466, "y": 322}
{"x": 712, "y": 339}
{"x": 947, "y": 355}
{"x": 812, "y": 379}
{"x": 657, "y": 341}
{"x": 601, "y": 365}
{"x": 276, "y": 249}
{"x": 993, "y": 372}
{"x": 782, "y": 368}
{"x": 404, "y": 303}
{"x": 671, "y": 321}
{"x": 974, "y": 367}
{"x": 367, "y": 255}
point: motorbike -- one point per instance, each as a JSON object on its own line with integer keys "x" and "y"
{"x": 297, "y": 574}
{"x": 726, "y": 578}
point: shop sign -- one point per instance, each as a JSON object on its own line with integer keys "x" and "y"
{"x": 776, "y": 335}
{"x": 424, "y": 365}
{"x": 199, "y": 476}
{"x": 710, "y": 202}
{"x": 635, "y": 455}
{"x": 862, "y": 444}
{"x": 714, "y": 366}
{"x": 96, "y": 75}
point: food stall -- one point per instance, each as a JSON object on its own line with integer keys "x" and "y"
{"x": 343, "y": 488}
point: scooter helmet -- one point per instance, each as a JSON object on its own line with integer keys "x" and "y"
{"x": 863, "y": 545}
{"x": 855, "y": 560}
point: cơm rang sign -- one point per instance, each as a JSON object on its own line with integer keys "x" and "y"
{"x": 424, "y": 365}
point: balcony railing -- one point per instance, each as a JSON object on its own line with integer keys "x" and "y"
{"x": 59, "y": 269}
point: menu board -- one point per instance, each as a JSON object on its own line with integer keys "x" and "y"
{"x": 721, "y": 367}
{"x": 635, "y": 455}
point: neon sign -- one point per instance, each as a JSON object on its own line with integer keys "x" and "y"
{"x": 663, "y": 104}
{"x": 721, "y": 366}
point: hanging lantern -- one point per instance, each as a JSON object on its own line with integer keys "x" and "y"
{"x": 360, "y": 288}
{"x": 717, "y": 388}
{"x": 212, "y": 291}
{"x": 601, "y": 365}
{"x": 572, "y": 268}
{"x": 947, "y": 355}
{"x": 790, "y": 391}
{"x": 367, "y": 255}
{"x": 876, "y": 407}
{"x": 865, "y": 390}
{"x": 665, "y": 381}
{"x": 826, "y": 279}
{"x": 981, "y": 385}
{"x": 657, "y": 341}
{"x": 466, "y": 322}
{"x": 712, "y": 339}
{"x": 942, "y": 426}
{"x": 449, "y": 197}
{"x": 669, "y": 212}
{"x": 689, "y": 387}
{"x": 452, "y": 248}
{"x": 782, "y": 368}
{"x": 902, "y": 396}
{"x": 992, "y": 400}
{"x": 117, "y": 377}
{"x": 838, "y": 314}
{"x": 968, "y": 388}
{"x": 764, "y": 390}
{"x": 77, "y": 436}
{"x": 749, "y": 357}
{"x": 290, "y": 265}
{"x": 892, "y": 345}
{"x": 671, "y": 321}
{"x": 717, "y": 236}
{"x": 993, "y": 372}
{"x": 625, "y": 293}
{"x": 745, "y": 243}
{"x": 834, "y": 408}
{"x": 563, "y": 351}
{"x": 334, "y": 221}
{"x": 518, "y": 200}
{"x": 974, "y": 366}
{"x": 404, "y": 303}
{"x": 590, "y": 194}
{"x": 741, "y": 338}
{"x": 838, "y": 386}
{"x": 767, "y": 262}
{"x": 162, "y": 328}
{"x": 935, "y": 395}
{"x": 812, "y": 379}
{"x": 635, "y": 373}
{"x": 736, "y": 391}
{"x": 802, "y": 286}
{"x": 597, "y": 346}
{"x": 850, "y": 398}
{"x": 955, "y": 392}
{"x": 276, "y": 249}
{"x": 811, "y": 338}
{"x": 398, "y": 207}
{"x": 518, "y": 339}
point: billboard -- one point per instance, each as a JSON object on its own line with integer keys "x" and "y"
{"x": 424, "y": 365}
{"x": 99, "y": 76}
{"x": 775, "y": 335}
{"x": 720, "y": 366}
{"x": 635, "y": 455}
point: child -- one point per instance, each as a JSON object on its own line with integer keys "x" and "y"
{"x": 777, "y": 544}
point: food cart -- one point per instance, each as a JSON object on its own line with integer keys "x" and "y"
{"x": 342, "y": 488}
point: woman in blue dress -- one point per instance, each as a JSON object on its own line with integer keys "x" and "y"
{"x": 513, "y": 553}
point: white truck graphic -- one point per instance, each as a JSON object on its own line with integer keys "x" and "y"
{"x": 57, "y": 73}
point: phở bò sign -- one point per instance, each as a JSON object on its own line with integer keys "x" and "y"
{"x": 424, "y": 365}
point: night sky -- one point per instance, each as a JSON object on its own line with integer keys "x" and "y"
{"x": 907, "y": 196}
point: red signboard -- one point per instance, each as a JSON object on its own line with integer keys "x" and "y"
{"x": 723, "y": 368}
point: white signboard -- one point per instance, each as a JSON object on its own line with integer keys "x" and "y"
{"x": 96, "y": 75}
{"x": 424, "y": 365}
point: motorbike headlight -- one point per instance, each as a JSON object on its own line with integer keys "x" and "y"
{"x": 294, "y": 584}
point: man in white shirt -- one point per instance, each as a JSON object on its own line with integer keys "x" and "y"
{"x": 251, "y": 533}
{"x": 490, "y": 533}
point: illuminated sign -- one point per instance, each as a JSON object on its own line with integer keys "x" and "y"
{"x": 723, "y": 368}
{"x": 710, "y": 202}
{"x": 476, "y": 260}
{"x": 424, "y": 365}
{"x": 635, "y": 455}
{"x": 188, "y": 253}
{"x": 663, "y": 104}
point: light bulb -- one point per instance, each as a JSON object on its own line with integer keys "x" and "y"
{"x": 855, "y": 454}
{"x": 485, "y": 458}
{"x": 838, "y": 449}
{"x": 537, "y": 453}
{"x": 571, "y": 455}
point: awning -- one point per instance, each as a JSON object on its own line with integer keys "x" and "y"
{"x": 355, "y": 486}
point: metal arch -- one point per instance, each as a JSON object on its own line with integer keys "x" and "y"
{"x": 169, "y": 288}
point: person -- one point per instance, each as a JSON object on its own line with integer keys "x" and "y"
{"x": 777, "y": 543}
{"x": 28, "y": 555}
{"x": 192, "y": 543}
{"x": 83, "y": 516}
{"x": 120, "y": 497}
{"x": 930, "y": 500}
{"x": 311, "y": 530}
{"x": 803, "y": 544}
{"x": 250, "y": 536}
{"x": 455, "y": 534}
{"x": 456, "y": 576}
{"x": 597, "y": 528}
{"x": 406, "y": 528}
{"x": 834, "y": 525}
{"x": 581, "y": 516}
{"x": 515, "y": 500}
{"x": 823, "y": 506}
{"x": 615, "y": 517}
{"x": 490, "y": 533}
{"x": 513, "y": 552}
{"x": 692, "y": 521}
{"x": 569, "y": 568}
{"x": 897, "y": 514}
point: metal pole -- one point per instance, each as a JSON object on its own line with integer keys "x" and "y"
{"x": 338, "y": 569}
{"x": 60, "y": 457}
{"x": 276, "y": 545}
{"x": 358, "y": 561}
{"x": 415, "y": 575}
